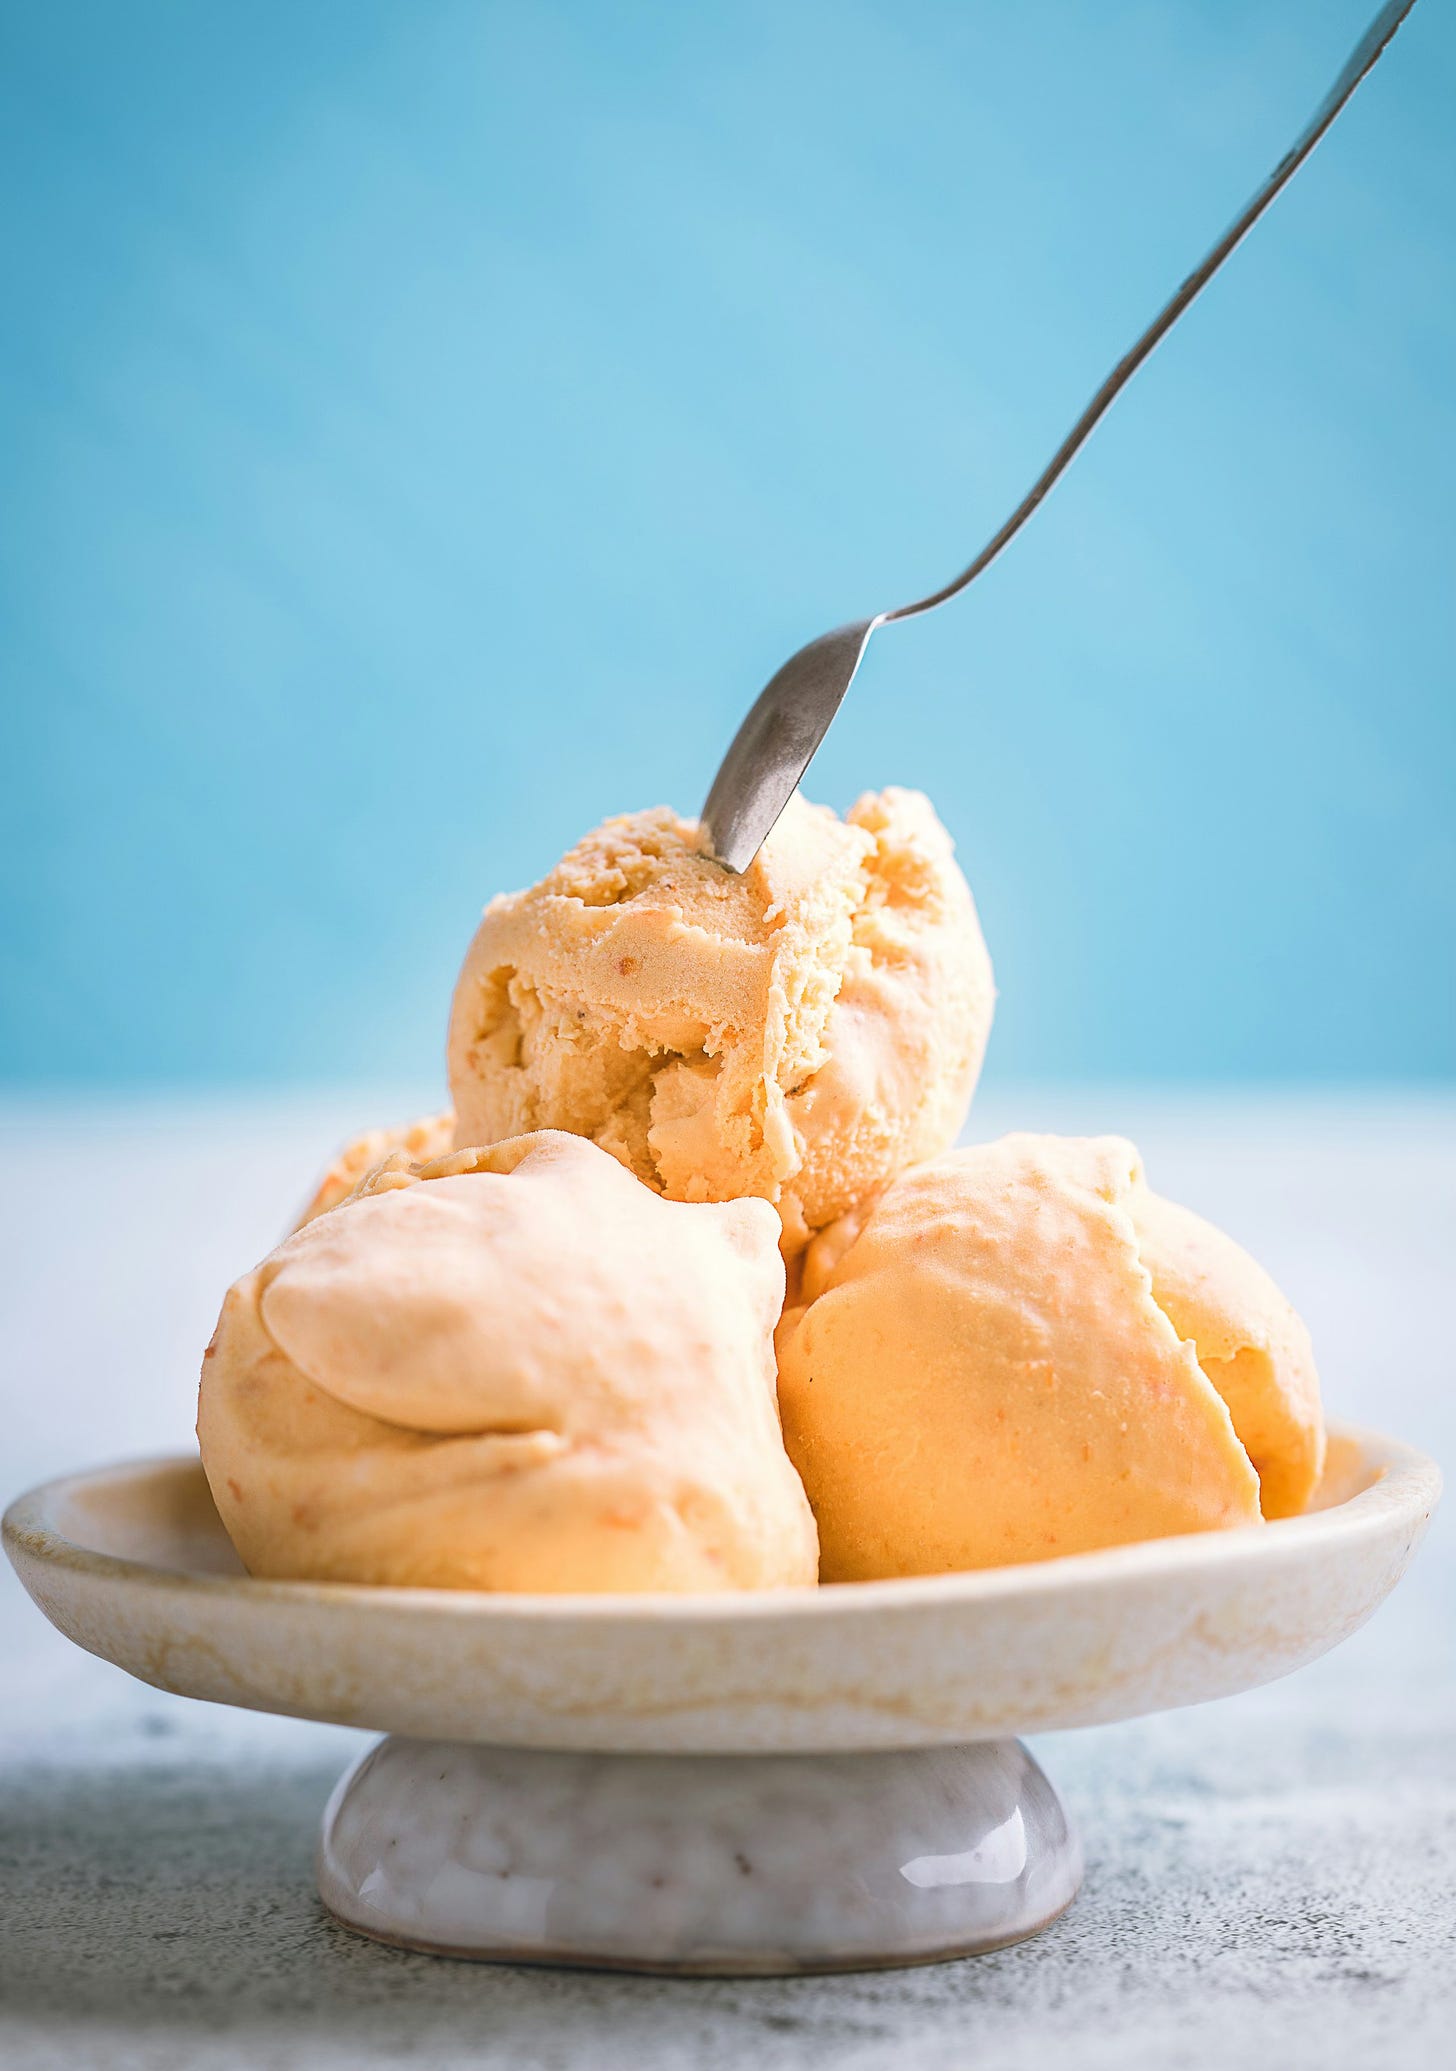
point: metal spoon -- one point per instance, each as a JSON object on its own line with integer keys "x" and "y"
{"x": 778, "y": 739}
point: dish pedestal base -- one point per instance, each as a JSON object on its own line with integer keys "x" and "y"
{"x": 701, "y": 1865}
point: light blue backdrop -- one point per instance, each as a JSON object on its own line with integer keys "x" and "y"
{"x": 426, "y": 425}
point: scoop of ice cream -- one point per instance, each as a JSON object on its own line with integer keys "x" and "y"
{"x": 509, "y": 1369}
{"x": 1251, "y": 1344}
{"x": 427, "y": 1138}
{"x": 999, "y": 1364}
{"x": 801, "y": 1032}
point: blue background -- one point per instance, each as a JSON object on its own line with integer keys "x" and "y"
{"x": 425, "y": 426}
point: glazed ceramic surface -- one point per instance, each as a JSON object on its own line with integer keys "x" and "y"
{"x": 713, "y": 1865}
{"x": 131, "y": 1563}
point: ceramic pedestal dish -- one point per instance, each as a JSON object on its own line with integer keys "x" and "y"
{"x": 795, "y": 1780}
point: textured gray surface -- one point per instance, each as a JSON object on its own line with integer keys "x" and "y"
{"x": 1270, "y": 1878}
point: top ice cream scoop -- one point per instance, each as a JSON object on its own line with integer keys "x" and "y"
{"x": 801, "y": 1032}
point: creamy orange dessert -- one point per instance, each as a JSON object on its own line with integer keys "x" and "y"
{"x": 801, "y": 1032}
{"x": 528, "y": 1344}
{"x": 1019, "y": 1351}
{"x": 509, "y": 1369}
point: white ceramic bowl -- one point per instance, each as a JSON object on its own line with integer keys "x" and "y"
{"x": 132, "y": 1563}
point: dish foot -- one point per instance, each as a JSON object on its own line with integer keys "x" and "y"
{"x": 699, "y": 1865}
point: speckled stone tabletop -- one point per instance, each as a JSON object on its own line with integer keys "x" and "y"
{"x": 1271, "y": 1880}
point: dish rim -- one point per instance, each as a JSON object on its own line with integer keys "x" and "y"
{"x": 1406, "y": 1481}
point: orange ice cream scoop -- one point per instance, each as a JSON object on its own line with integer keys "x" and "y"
{"x": 985, "y": 1376}
{"x": 800, "y": 1032}
{"x": 513, "y": 1369}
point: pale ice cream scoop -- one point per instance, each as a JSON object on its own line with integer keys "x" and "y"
{"x": 1000, "y": 1361}
{"x": 801, "y": 1032}
{"x": 513, "y": 1369}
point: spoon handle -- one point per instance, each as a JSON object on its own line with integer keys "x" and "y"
{"x": 1366, "y": 51}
